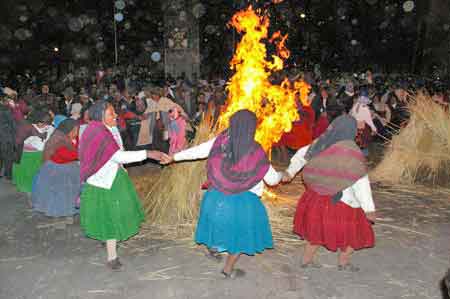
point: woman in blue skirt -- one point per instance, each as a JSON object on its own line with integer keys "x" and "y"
{"x": 56, "y": 186}
{"x": 232, "y": 216}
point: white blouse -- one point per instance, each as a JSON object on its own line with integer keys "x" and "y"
{"x": 359, "y": 195}
{"x": 104, "y": 177}
{"x": 35, "y": 143}
{"x": 201, "y": 151}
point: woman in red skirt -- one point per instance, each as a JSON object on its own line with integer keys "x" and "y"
{"x": 337, "y": 208}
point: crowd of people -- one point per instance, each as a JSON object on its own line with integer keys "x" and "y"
{"x": 378, "y": 103}
{"x": 68, "y": 153}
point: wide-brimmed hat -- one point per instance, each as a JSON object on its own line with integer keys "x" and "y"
{"x": 68, "y": 92}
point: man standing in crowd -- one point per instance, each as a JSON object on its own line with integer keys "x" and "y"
{"x": 68, "y": 101}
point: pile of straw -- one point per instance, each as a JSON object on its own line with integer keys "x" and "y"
{"x": 281, "y": 202}
{"x": 420, "y": 153}
{"x": 172, "y": 197}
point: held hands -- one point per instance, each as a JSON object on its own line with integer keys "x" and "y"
{"x": 166, "y": 159}
{"x": 286, "y": 177}
{"x": 163, "y": 158}
{"x": 155, "y": 155}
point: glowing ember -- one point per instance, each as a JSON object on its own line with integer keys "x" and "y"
{"x": 250, "y": 87}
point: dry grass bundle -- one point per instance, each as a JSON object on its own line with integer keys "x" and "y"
{"x": 173, "y": 197}
{"x": 420, "y": 153}
{"x": 281, "y": 203}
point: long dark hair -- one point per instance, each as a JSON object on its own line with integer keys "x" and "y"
{"x": 241, "y": 132}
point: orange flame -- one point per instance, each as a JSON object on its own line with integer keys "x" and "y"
{"x": 250, "y": 87}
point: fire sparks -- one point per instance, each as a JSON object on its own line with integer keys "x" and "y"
{"x": 250, "y": 87}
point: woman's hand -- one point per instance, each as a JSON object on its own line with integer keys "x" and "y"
{"x": 166, "y": 159}
{"x": 286, "y": 177}
{"x": 155, "y": 155}
{"x": 371, "y": 216}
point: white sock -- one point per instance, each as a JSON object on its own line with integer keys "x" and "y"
{"x": 111, "y": 249}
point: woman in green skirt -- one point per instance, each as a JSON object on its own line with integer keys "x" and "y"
{"x": 110, "y": 209}
{"x": 31, "y": 141}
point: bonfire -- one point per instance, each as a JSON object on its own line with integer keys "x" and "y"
{"x": 173, "y": 199}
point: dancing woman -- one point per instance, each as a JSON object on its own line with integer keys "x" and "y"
{"x": 337, "y": 207}
{"x": 110, "y": 209}
{"x": 232, "y": 217}
{"x": 30, "y": 143}
{"x": 56, "y": 186}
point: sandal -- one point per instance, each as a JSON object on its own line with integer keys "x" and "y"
{"x": 236, "y": 273}
{"x": 214, "y": 255}
{"x": 348, "y": 268}
{"x": 114, "y": 264}
{"x": 311, "y": 265}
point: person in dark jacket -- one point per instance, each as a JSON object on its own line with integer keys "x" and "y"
{"x": 7, "y": 142}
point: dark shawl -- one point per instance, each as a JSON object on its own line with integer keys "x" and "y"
{"x": 335, "y": 162}
{"x": 236, "y": 162}
{"x": 342, "y": 128}
{"x": 59, "y": 139}
{"x": 97, "y": 144}
{"x": 7, "y": 134}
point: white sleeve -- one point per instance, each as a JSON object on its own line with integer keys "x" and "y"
{"x": 35, "y": 142}
{"x": 50, "y": 131}
{"x": 363, "y": 194}
{"x": 369, "y": 120}
{"x": 125, "y": 157}
{"x": 272, "y": 177}
{"x": 297, "y": 161}
{"x": 200, "y": 151}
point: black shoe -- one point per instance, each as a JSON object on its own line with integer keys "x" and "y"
{"x": 348, "y": 268}
{"x": 236, "y": 273}
{"x": 214, "y": 255}
{"x": 114, "y": 264}
{"x": 311, "y": 265}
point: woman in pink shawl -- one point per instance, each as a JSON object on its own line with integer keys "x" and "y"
{"x": 110, "y": 209}
{"x": 177, "y": 131}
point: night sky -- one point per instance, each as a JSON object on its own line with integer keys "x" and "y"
{"x": 390, "y": 35}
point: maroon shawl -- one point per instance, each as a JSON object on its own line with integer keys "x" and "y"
{"x": 232, "y": 178}
{"x": 97, "y": 146}
{"x": 335, "y": 168}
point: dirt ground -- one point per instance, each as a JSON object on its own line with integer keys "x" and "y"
{"x": 50, "y": 258}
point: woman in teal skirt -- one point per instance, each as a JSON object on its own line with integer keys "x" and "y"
{"x": 232, "y": 216}
{"x": 29, "y": 156}
{"x": 110, "y": 209}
